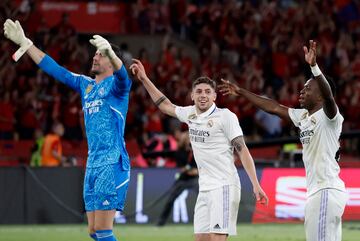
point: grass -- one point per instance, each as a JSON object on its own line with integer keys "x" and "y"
{"x": 248, "y": 232}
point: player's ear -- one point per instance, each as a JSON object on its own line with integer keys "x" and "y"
{"x": 215, "y": 95}
{"x": 320, "y": 98}
{"x": 192, "y": 95}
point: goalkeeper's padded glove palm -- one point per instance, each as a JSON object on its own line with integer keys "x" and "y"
{"x": 103, "y": 46}
{"x": 14, "y": 32}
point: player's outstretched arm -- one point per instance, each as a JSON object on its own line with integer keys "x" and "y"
{"x": 14, "y": 32}
{"x": 248, "y": 163}
{"x": 105, "y": 48}
{"x": 330, "y": 107}
{"x": 264, "y": 103}
{"x": 160, "y": 100}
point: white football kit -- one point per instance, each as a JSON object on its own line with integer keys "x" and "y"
{"x": 326, "y": 194}
{"x": 211, "y": 134}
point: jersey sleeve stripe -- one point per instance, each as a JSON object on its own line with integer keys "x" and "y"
{"x": 117, "y": 111}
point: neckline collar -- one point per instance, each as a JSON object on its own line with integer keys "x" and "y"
{"x": 208, "y": 112}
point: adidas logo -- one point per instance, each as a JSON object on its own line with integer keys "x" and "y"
{"x": 217, "y": 226}
{"x": 106, "y": 203}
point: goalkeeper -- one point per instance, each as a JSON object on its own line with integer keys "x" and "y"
{"x": 105, "y": 104}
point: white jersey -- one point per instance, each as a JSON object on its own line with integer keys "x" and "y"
{"x": 211, "y": 134}
{"x": 319, "y": 136}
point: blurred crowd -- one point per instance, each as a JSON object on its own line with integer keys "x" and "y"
{"x": 256, "y": 43}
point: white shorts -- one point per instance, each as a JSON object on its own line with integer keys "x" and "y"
{"x": 323, "y": 211}
{"x": 216, "y": 210}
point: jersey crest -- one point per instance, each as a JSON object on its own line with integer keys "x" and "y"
{"x": 101, "y": 91}
{"x": 304, "y": 116}
{"x": 192, "y": 117}
{"x": 88, "y": 89}
{"x": 313, "y": 120}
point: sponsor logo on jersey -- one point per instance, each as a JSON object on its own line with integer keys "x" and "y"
{"x": 198, "y": 135}
{"x": 197, "y": 132}
{"x": 93, "y": 103}
{"x": 305, "y": 136}
{"x": 93, "y": 106}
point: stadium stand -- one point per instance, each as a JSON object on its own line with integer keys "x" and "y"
{"x": 255, "y": 43}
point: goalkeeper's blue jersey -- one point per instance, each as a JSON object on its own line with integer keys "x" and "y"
{"x": 105, "y": 106}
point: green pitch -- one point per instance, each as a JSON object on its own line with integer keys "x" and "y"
{"x": 246, "y": 232}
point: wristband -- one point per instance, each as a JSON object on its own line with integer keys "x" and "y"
{"x": 315, "y": 70}
{"x": 22, "y": 50}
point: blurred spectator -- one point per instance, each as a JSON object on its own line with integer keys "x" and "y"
{"x": 28, "y": 118}
{"x": 51, "y": 151}
{"x": 71, "y": 118}
{"x": 36, "y": 150}
{"x": 144, "y": 58}
{"x": 7, "y": 117}
{"x": 269, "y": 125}
{"x": 126, "y": 56}
{"x": 255, "y": 43}
{"x": 188, "y": 178}
{"x": 158, "y": 149}
{"x": 64, "y": 29}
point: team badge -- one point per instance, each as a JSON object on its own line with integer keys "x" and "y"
{"x": 101, "y": 91}
{"x": 210, "y": 123}
{"x": 313, "y": 120}
{"x": 304, "y": 116}
{"x": 88, "y": 89}
{"x": 192, "y": 117}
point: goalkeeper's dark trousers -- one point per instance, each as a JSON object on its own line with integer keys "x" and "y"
{"x": 178, "y": 187}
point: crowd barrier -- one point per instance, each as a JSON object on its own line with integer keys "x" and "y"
{"x": 54, "y": 195}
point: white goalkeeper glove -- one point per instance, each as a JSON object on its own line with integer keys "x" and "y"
{"x": 103, "y": 46}
{"x": 14, "y": 32}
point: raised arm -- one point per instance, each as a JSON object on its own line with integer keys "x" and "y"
{"x": 35, "y": 54}
{"x": 330, "y": 107}
{"x": 264, "y": 103}
{"x": 248, "y": 163}
{"x": 105, "y": 48}
{"x": 14, "y": 32}
{"x": 160, "y": 100}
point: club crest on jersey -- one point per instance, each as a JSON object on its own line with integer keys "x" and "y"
{"x": 210, "y": 123}
{"x": 101, "y": 91}
{"x": 313, "y": 120}
{"x": 304, "y": 116}
{"x": 88, "y": 89}
{"x": 192, "y": 117}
